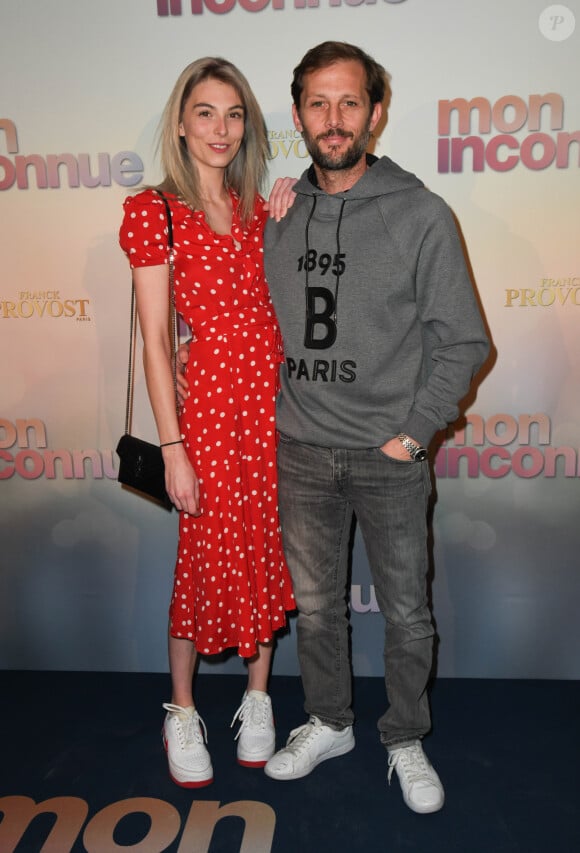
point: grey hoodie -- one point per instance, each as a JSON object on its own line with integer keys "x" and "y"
{"x": 381, "y": 330}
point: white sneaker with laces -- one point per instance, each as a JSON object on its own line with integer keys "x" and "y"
{"x": 189, "y": 760}
{"x": 420, "y": 784}
{"x": 307, "y": 747}
{"x": 256, "y": 736}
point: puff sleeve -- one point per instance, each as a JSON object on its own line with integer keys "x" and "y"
{"x": 143, "y": 232}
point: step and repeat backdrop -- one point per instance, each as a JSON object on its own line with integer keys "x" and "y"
{"x": 486, "y": 110}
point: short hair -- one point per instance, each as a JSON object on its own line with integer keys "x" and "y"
{"x": 247, "y": 171}
{"x": 329, "y": 52}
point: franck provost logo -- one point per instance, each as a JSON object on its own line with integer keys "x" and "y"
{"x": 45, "y": 305}
{"x": 550, "y": 292}
{"x": 285, "y": 143}
{"x": 521, "y": 134}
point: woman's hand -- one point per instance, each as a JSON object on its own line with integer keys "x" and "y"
{"x": 281, "y": 199}
{"x": 180, "y": 480}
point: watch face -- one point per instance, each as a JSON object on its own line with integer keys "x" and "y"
{"x": 421, "y": 455}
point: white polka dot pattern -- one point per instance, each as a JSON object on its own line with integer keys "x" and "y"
{"x": 231, "y": 586}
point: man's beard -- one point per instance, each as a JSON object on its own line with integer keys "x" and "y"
{"x": 333, "y": 162}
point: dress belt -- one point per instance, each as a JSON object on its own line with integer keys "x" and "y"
{"x": 218, "y": 328}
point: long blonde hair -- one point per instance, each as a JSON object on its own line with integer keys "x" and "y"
{"x": 247, "y": 171}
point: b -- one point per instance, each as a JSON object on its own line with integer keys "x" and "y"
{"x": 317, "y": 320}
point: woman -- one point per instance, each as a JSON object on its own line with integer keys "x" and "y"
{"x": 231, "y": 586}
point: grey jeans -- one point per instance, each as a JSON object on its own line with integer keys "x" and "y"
{"x": 319, "y": 489}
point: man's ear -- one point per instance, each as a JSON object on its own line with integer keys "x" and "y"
{"x": 296, "y": 117}
{"x": 376, "y": 114}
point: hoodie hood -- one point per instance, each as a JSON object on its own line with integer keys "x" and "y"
{"x": 382, "y": 177}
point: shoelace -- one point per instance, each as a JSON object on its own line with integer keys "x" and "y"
{"x": 300, "y": 737}
{"x": 252, "y": 712}
{"x": 189, "y": 726}
{"x": 413, "y": 762}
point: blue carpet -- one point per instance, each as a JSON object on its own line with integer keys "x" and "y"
{"x": 507, "y": 752}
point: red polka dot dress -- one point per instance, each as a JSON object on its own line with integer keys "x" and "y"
{"x": 232, "y": 586}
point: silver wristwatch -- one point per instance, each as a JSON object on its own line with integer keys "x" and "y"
{"x": 415, "y": 451}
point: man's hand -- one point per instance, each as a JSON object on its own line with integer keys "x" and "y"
{"x": 181, "y": 357}
{"x": 395, "y": 450}
{"x": 281, "y": 198}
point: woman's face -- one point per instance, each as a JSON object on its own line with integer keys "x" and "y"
{"x": 212, "y": 124}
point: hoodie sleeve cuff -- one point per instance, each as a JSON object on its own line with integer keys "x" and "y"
{"x": 419, "y": 428}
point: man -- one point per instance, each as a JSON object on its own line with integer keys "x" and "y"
{"x": 382, "y": 337}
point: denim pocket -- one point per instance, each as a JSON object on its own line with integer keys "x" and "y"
{"x": 392, "y": 459}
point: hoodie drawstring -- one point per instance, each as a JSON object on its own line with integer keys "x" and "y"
{"x": 310, "y": 215}
{"x": 337, "y": 279}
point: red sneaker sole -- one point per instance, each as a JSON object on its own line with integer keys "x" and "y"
{"x": 201, "y": 784}
{"x": 243, "y": 763}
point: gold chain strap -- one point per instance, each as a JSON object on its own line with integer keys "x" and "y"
{"x": 172, "y": 324}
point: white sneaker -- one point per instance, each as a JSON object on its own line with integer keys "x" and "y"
{"x": 256, "y": 736}
{"x": 189, "y": 761}
{"x": 420, "y": 784}
{"x": 307, "y": 747}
